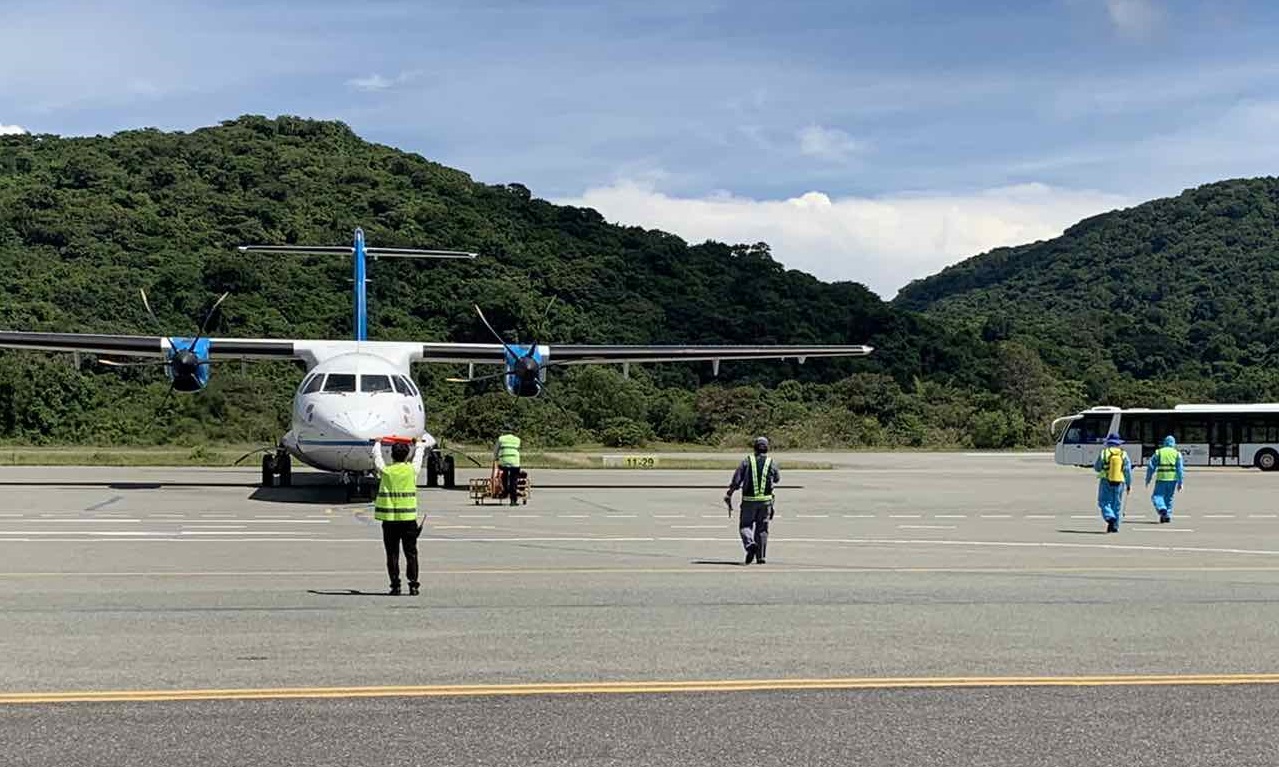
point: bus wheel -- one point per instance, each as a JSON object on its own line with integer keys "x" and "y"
{"x": 1268, "y": 460}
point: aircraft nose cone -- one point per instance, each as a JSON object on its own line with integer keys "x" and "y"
{"x": 361, "y": 424}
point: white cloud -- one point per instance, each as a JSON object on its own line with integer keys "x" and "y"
{"x": 11, "y": 130}
{"x": 1134, "y": 18}
{"x": 883, "y": 242}
{"x": 826, "y": 143}
{"x": 376, "y": 82}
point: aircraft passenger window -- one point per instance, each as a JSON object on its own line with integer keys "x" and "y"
{"x": 340, "y": 382}
{"x": 375, "y": 383}
{"x": 313, "y": 384}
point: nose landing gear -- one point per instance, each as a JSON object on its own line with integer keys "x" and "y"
{"x": 359, "y": 486}
{"x": 440, "y": 469}
{"x": 277, "y": 465}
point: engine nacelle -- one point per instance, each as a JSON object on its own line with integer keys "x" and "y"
{"x": 525, "y": 371}
{"x": 188, "y": 363}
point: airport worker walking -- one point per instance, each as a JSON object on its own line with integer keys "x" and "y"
{"x": 756, "y": 477}
{"x": 396, "y": 509}
{"x": 1114, "y": 478}
{"x": 507, "y": 455}
{"x": 1168, "y": 470}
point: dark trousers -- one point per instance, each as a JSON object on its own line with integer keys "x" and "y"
{"x": 395, "y": 535}
{"x": 511, "y": 483}
{"x": 753, "y": 524}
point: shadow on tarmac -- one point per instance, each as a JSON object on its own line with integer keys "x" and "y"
{"x": 1083, "y": 532}
{"x": 724, "y": 562}
{"x": 348, "y": 593}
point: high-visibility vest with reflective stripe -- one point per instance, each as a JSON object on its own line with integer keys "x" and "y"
{"x": 508, "y": 450}
{"x": 1166, "y": 471}
{"x": 759, "y": 480}
{"x": 397, "y": 494}
{"x": 1112, "y": 464}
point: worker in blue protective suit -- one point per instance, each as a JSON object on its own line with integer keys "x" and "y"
{"x": 1114, "y": 478}
{"x": 1168, "y": 470}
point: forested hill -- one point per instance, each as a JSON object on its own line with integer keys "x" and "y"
{"x": 85, "y": 222}
{"x": 1181, "y": 291}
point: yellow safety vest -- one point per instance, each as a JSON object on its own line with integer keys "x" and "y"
{"x": 759, "y": 480}
{"x": 397, "y": 494}
{"x": 1112, "y": 464}
{"x": 508, "y": 450}
{"x": 1167, "y": 469}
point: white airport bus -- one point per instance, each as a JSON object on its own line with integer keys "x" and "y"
{"x": 1207, "y": 435}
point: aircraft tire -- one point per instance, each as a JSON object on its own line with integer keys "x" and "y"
{"x": 284, "y": 467}
{"x": 432, "y": 470}
{"x": 450, "y": 472}
{"x": 268, "y": 470}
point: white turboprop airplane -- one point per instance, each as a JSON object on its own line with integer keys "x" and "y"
{"x": 358, "y": 391}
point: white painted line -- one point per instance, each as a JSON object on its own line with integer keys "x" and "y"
{"x": 1040, "y": 516}
{"x": 712, "y": 516}
{"x": 1218, "y": 516}
{"x": 904, "y": 516}
{"x": 859, "y": 516}
{"x": 622, "y": 516}
{"x": 811, "y": 516}
{"x": 10, "y": 516}
{"x": 925, "y": 527}
{"x": 174, "y": 516}
{"x": 213, "y": 527}
{"x": 81, "y": 532}
{"x": 573, "y": 516}
{"x": 668, "y": 516}
{"x": 1262, "y": 516}
{"x": 474, "y": 516}
{"x": 214, "y": 516}
{"x": 951, "y": 516}
{"x": 1085, "y": 516}
{"x": 1164, "y": 530}
{"x": 996, "y": 516}
{"x": 255, "y": 532}
{"x": 450, "y": 527}
{"x": 89, "y": 520}
{"x": 697, "y": 527}
{"x": 523, "y": 516}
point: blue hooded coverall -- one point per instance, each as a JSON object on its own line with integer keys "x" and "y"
{"x": 1110, "y": 497}
{"x": 1165, "y": 488}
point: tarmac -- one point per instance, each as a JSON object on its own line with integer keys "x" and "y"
{"x": 916, "y": 609}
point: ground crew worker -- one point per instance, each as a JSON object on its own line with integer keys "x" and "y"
{"x": 1114, "y": 478}
{"x": 755, "y": 476}
{"x": 1169, "y": 472}
{"x": 507, "y": 455}
{"x": 396, "y": 509}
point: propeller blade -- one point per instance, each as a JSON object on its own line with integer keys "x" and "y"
{"x": 118, "y": 364}
{"x": 474, "y": 380}
{"x": 151, "y": 313}
{"x": 496, "y": 335}
{"x": 204, "y": 326}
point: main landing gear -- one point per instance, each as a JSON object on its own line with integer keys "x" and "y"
{"x": 277, "y": 466}
{"x": 440, "y": 469}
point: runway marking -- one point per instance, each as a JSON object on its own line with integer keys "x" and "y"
{"x": 213, "y": 527}
{"x": 622, "y": 516}
{"x": 86, "y": 520}
{"x": 925, "y": 527}
{"x": 996, "y": 516}
{"x": 636, "y": 688}
{"x": 1041, "y": 516}
{"x": 859, "y": 516}
{"x": 106, "y": 503}
{"x": 811, "y": 516}
{"x": 1218, "y": 516}
{"x": 474, "y": 516}
{"x": 1262, "y": 516}
{"x": 1083, "y": 516}
{"x": 523, "y": 516}
{"x": 573, "y": 516}
{"x": 697, "y": 527}
{"x": 668, "y": 516}
{"x": 950, "y": 516}
{"x": 1164, "y": 530}
{"x": 904, "y": 516}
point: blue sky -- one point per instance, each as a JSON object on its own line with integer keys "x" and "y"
{"x": 871, "y": 140}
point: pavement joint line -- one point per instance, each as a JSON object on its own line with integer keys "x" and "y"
{"x": 634, "y": 688}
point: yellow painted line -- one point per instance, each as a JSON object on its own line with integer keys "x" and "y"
{"x": 636, "y": 688}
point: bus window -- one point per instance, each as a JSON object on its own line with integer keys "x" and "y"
{"x": 375, "y": 383}
{"x": 340, "y": 382}
{"x": 1138, "y": 428}
{"x": 1088, "y": 430}
{"x": 313, "y": 384}
{"x": 1261, "y": 431}
{"x": 1193, "y": 432}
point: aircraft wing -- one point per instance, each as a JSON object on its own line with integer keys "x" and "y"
{"x": 144, "y": 346}
{"x": 603, "y": 354}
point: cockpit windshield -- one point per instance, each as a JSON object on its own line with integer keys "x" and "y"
{"x": 340, "y": 383}
{"x": 375, "y": 383}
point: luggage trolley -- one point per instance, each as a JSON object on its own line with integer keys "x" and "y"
{"x": 482, "y": 489}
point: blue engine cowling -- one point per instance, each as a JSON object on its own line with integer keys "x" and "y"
{"x": 188, "y": 364}
{"x": 524, "y": 371}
